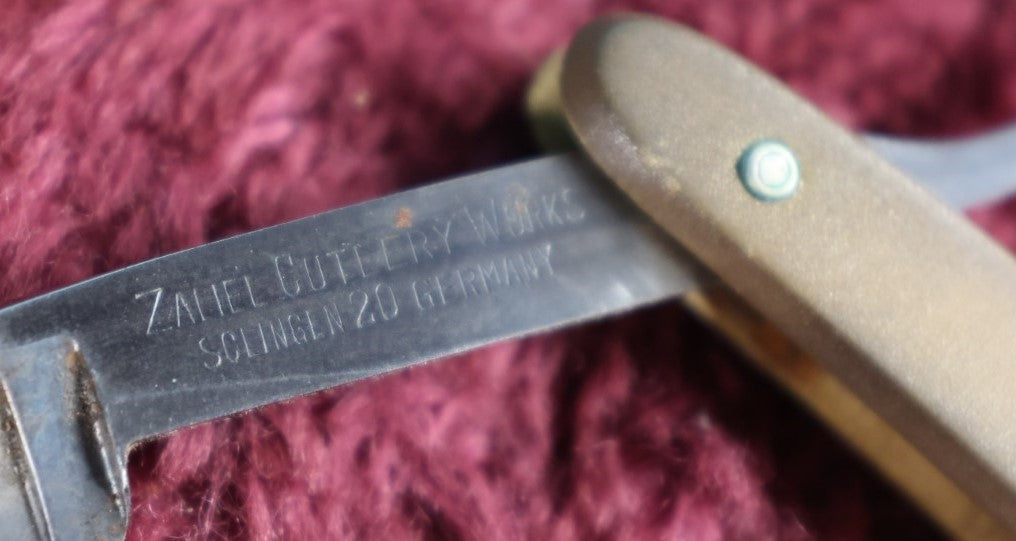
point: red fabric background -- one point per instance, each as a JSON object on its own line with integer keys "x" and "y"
{"x": 135, "y": 128}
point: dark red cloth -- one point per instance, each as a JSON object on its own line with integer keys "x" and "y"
{"x": 135, "y": 128}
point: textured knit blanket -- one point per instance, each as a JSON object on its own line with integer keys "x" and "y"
{"x": 135, "y": 128}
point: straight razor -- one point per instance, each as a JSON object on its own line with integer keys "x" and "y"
{"x": 90, "y": 370}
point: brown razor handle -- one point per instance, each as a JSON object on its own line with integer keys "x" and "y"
{"x": 904, "y": 301}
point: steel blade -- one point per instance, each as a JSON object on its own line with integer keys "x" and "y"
{"x": 312, "y": 304}
{"x": 963, "y": 172}
{"x": 351, "y": 293}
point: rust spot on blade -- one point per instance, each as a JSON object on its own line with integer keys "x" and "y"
{"x": 404, "y": 218}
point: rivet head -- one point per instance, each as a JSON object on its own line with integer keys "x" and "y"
{"x": 769, "y": 170}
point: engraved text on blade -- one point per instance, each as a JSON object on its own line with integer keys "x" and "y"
{"x": 287, "y": 300}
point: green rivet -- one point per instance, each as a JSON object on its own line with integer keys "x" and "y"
{"x": 769, "y": 171}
